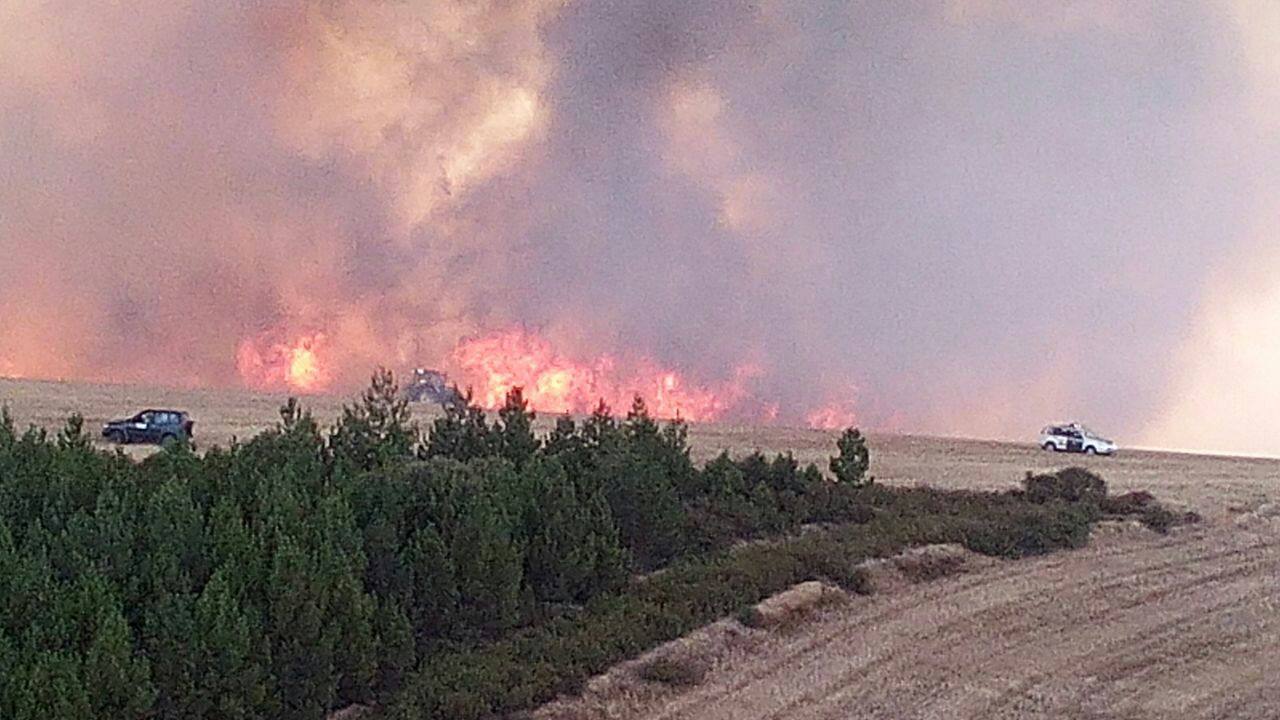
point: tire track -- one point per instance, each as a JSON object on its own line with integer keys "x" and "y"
{"x": 813, "y": 644}
{"x": 1028, "y": 628}
{"x": 1015, "y": 641}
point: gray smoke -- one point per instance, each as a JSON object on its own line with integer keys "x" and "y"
{"x": 965, "y": 216}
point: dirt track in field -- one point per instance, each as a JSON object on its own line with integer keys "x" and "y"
{"x": 1136, "y": 626}
{"x": 1186, "y": 626}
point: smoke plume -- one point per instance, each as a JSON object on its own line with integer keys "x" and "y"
{"x": 961, "y": 216}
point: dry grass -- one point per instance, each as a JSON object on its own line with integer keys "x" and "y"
{"x": 932, "y": 562}
{"x": 1265, "y": 517}
{"x": 675, "y": 666}
{"x": 790, "y": 607}
{"x": 1192, "y": 612}
{"x": 1145, "y": 625}
{"x": 676, "y": 672}
{"x": 1206, "y": 483}
{"x": 921, "y": 564}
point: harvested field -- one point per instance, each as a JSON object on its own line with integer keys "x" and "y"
{"x": 1210, "y": 484}
{"x": 1138, "y": 625}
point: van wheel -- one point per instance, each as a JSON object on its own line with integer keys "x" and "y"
{"x": 117, "y": 437}
{"x": 1090, "y": 450}
{"x": 1050, "y": 447}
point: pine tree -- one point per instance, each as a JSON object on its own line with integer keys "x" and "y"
{"x": 173, "y": 557}
{"x": 600, "y": 430}
{"x": 513, "y": 434}
{"x": 488, "y": 568}
{"x": 434, "y": 603}
{"x": 348, "y": 611}
{"x": 636, "y": 469}
{"x": 302, "y": 655}
{"x": 651, "y": 520}
{"x": 564, "y": 437}
{"x": 850, "y": 466}
{"x": 349, "y": 627}
{"x": 395, "y": 649}
{"x": 12, "y": 691}
{"x": 28, "y": 591}
{"x": 119, "y": 679}
{"x": 168, "y": 630}
{"x": 573, "y": 550}
{"x": 380, "y": 506}
{"x": 233, "y": 683}
{"x": 8, "y": 432}
{"x": 73, "y": 437}
{"x": 233, "y": 546}
{"x": 462, "y": 433}
{"x": 376, "y": 432}
{"x": 50, "y": 688}
{"x": 112, "y": 536}
{"x": 10, "y": 562}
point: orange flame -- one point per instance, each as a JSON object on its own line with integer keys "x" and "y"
{"x": 834, "y": 416}
{"x": 294, "y": 366}
{"x": 552, "y": 381}
{"x": 494, "y": 364}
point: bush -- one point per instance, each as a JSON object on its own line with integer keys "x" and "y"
{"x": 1070, "y": 485}
{"x": 1162, "y": 520}
{"x": 750, "y": 617}
{"x": 831, "y": 502}
{"x": 682, "y": 672}
{"x": 1130, "y": 503}
{"x": 926, "y": 567}
{"x": 1150, "y": 513}
{"x": 1019, "y": 532}
{"x": 831, "y": 561}
{"x": 1158, "y": 518}
{"x": 857, "y": 581}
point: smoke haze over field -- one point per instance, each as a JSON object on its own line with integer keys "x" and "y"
{"x": 969, "y": 216}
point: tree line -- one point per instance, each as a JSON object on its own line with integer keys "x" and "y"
{"x": 311, "y": 568}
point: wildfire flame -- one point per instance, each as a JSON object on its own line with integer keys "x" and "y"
{"x": 552, "y": 381}
{"x": 494, "y": 364}
{"x": 834, "y": 416}
{"x": 295, "y": 365}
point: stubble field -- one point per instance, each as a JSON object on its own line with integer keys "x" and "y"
{"x": 1136, "y": 626}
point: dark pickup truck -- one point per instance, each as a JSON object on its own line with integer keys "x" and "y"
{"x": 150, "y": 426}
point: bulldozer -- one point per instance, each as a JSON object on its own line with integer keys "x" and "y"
{"x": 431, "y": 386}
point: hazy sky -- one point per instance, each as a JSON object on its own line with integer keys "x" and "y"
{"x": 962, "y": 216}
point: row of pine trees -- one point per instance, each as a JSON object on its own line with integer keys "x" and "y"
{"x": 305, "y": 570}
